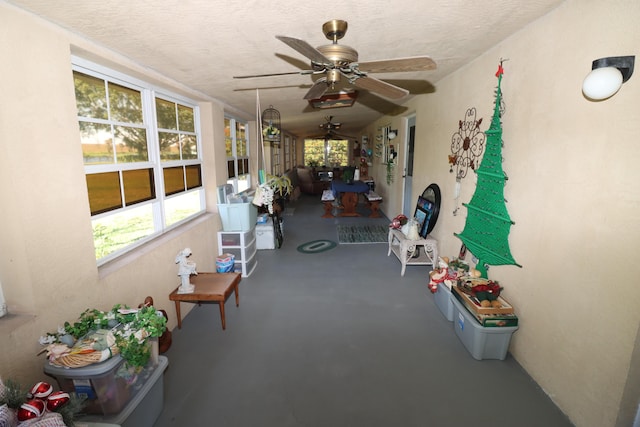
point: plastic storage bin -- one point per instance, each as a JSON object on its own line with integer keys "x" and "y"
{"x": 144, "y": 408}
{"x": 106, "y": 385}
{"x": 238, "y": 216}
{"x": 480, "y": 341}
{"x": 265, "y": 238}
{"x": 444, "y": 302}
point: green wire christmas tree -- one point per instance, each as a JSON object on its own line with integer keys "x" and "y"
{"x": 486, "y": 231}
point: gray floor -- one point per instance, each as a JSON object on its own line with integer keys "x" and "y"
{"x": 338, "y": 338}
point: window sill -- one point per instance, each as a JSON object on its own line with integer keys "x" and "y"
{"x": 10, "y": 322}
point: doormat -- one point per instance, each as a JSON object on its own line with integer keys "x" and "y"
{"x": 316, "y": 246}
{"x": 358, "y": 234}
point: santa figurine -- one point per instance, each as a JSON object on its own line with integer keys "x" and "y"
{"x": 440, "y": 275}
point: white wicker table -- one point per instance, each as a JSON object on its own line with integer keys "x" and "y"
{"x": 405, "y": 249}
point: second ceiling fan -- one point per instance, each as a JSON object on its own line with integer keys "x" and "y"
{"x": 335, "y": 61}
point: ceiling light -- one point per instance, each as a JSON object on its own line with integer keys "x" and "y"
{"x": 607, "y": 76}
{"x": 334, "y": 100}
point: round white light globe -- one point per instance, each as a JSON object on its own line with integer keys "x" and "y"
{"x": 602, "y": 83}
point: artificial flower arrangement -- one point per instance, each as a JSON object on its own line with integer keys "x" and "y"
{"x": 97, "y": 336}
{"x": 271, "y": 131}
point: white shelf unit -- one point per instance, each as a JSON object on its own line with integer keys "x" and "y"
{"x": 242, "y": 244}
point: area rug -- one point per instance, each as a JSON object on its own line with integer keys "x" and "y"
{"x": 316, "y": 246}
{"x": 354, "y": 234}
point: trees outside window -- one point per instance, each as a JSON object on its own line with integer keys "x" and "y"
{"x": 326, "y": 152}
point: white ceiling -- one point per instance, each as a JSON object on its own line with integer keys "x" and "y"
{"x": 204, "y": 43}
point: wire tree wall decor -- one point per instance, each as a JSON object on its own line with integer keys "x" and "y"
{"x": 467, "y": 144}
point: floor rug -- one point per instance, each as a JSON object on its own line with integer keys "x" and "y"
{"x": 353, "y": 234}
{"x": 316, "y": 246}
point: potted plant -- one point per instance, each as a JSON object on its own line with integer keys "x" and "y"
{"x": 271, "y": 132}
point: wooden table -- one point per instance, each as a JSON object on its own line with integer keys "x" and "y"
{"x": 209, "y": 287}
{"x": 348, "y": 194}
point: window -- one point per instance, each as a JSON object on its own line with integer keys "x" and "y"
{"x": 326, "y": 152}
{"x": 237, "y": 148}
{"x": 141, "y": 154}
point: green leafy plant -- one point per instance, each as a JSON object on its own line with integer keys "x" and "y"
{"x": 280, "y": 184}
{"x": 131, "y": 329}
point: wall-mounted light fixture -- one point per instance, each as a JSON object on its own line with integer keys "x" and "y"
{"x": 607, "y": 76}
{"x": 392, "y": 134}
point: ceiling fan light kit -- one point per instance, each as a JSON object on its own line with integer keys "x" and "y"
{"x": 337, "y": 61}
{"x": 334, "y": 100}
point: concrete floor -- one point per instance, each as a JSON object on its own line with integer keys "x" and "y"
{"x": 338, "y": 338}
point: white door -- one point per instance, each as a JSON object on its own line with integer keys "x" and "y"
{"x": 408, "y": 204}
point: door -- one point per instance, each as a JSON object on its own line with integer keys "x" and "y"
{"x": 408, "y": 204}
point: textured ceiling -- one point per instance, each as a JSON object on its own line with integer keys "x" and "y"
{"x": 204, "y": 43}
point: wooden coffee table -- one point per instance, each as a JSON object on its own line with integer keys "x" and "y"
{"x": 209, "y": 287}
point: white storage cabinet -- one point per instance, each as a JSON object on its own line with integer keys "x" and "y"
{"x": 242, "y": 244}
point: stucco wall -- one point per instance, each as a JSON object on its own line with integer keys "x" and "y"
{"x": 573, "y": 192}
{"x": 47, "y": 265}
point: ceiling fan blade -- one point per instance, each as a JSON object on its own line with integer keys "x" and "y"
{"x": 385, "y": 89}
{"x": 318, "y": 89}
{"x": 306, "y": 49}
{"x": 275, "y": 74}
{"x": 416, "y": 63}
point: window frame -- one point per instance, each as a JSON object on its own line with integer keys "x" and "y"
{"x": 235, "y": 158}
{"x": 159, "y": 204}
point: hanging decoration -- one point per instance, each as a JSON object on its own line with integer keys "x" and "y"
{"x": 271, "y": 125}
{"x": 467, "y": 144}
{"x": 486, "y": 230}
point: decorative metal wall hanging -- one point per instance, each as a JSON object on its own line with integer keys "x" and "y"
{"x": 467, "y": 144}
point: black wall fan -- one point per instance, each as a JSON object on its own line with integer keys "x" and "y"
{"x": 335, "y": 61}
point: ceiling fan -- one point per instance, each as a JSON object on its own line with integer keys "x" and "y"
{"x": 335, "y": 61}
{"x": 329, "y": 124}
{"x": 332, "y": 134}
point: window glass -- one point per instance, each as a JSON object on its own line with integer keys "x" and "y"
{"x": 132, "y": 225}
{"x": 97, "y": 143}
{"x": 91, "y": 96}
{"x": 181, "y": 206}
{"x": 166, "y": 112}
{"x": 169, "y": 146}
{"x": 125, "y": 104}
{"x": 104, "y": 192}
{"x": 173, "y": 180}
{"x": 130, "y": 144}
{"x": 138, "y": 186}
{"x": 330, "y": 152}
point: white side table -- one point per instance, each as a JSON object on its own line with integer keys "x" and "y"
{"x": 404, "y": 249}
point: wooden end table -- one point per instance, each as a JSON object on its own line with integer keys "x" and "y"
{"x": 209, "y": 287}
